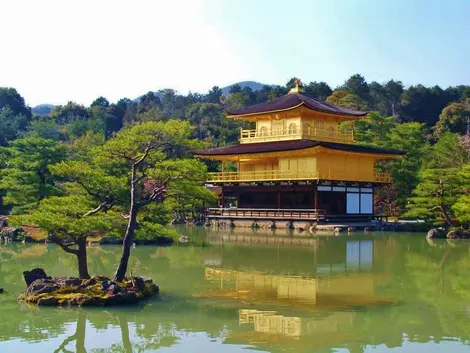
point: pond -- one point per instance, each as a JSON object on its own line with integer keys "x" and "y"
{"x": 240, "y": 291}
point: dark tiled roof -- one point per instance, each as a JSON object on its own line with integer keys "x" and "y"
{"x": 292, "y": 145}
{"x": 290, "y": 101}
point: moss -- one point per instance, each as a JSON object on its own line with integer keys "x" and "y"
{"x": 66, "y": 295}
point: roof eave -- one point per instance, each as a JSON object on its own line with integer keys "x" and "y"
{"x": 344, "y": 115}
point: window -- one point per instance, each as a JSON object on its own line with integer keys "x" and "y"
{"x": 263, "y": 131}
{"x": 352, "y": 203}
{"x": 367, "y": 202}
{"x": 308, "y": 129}
{"x": 292, "y": 129}
{"x": 324, "y": 188}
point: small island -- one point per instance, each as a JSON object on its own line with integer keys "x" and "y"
{"x": 95, "y": 291}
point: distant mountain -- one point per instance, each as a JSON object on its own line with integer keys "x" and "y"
{"x": 42, "y": 109}
{"x": 45, "y": 109}
{"x": 255, "y": 86}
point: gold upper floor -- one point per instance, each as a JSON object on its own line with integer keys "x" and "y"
{"x": 308, "y": 164}
{"x": 297, "y": 124}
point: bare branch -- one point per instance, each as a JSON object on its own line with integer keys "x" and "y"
{"x": 127, "y": 158}
{"x": 146, "y": 153}
{"x": 65, "y": 246}
{"x": 104, "y": 206}
{"x": 88, "y": 190}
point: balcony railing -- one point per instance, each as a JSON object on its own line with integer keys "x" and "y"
{"x": 297, "y": 132}
{"x": 288, "y": 175}
{"x": 257, "y": 213}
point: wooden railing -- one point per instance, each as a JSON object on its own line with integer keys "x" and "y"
{"x": 297, "y": 131}
{"x": 262, "y": 175}
{"x": 258, "y": 213}
{"x": 288, "y": 175}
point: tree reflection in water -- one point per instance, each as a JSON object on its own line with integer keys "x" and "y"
{"x": 78, "y": 336}
{"x": 309, "y": 297}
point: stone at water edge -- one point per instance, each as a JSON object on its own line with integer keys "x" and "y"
{"x": 138, "y": 283}
{"x": 1, "y": 290}
{"x": 41, "y": 286}
{"x": 436, "y": 233}
{"x": 48, "y": 301}
{"x": 458, "y": 234}
{"x": 33, "y": 275}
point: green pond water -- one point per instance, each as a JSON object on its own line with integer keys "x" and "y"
{"x": 246, "y": 291}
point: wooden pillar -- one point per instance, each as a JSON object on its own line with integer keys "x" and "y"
{"x": 222, "y": 200}
{"x": 315, "y": 197}
{"x": 278, "y": 199}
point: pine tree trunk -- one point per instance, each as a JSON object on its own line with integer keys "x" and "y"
{"x": 126, "y": 342}
{"x": 80, "y": 332}
{"x": 129, "y": 236}
{"x": 82, "y": 260}
{"x": 126, "y": 246}
{"x": 445, "y": 215}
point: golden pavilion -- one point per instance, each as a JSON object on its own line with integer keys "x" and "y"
{"x": 297, "y": 163}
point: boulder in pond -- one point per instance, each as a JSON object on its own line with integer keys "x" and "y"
{"x": 33, "y": 275}
{"x": 47, "y": 301}
{"x": 138, "y": 283}
{"x": 458, "y": 234}
{"x": 436, "y": 233}
{"x": 42, "y": 286}
{"x": 125, "y": 297}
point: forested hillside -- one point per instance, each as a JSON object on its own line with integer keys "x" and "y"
{"x": 429, "y": 123}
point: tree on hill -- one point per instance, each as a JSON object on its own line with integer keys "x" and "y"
{"x": 318, "y": 90}
{"x": 422, "y": 104}
{"x": 100, "y": 101}
{"x": 236, "y": 88}
{"x": 27, "y": 178}
{"x": 9, "y": 125}
{"x": 213, "y": 96}
{"x": 454, "y": 118}
{"x": 373, "y": 129}
{"x": 14, "y": 115}
{"x": 67, "y": 114}
{"x": 291, "y": 83}
{"x": 358, "y": 86}
{"x": 11, "y": 99}
{"x": 347, "y": 100}
{"x": 411, "y": 138}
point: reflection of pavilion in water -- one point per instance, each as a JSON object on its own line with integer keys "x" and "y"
{"x": 288, "y": 289}
{"x": 330, "y": 270}
{"x": 271, "y": 322}
{"x": 341, "y": 291}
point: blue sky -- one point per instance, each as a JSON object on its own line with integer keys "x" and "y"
{"x": 62, "y": 50}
